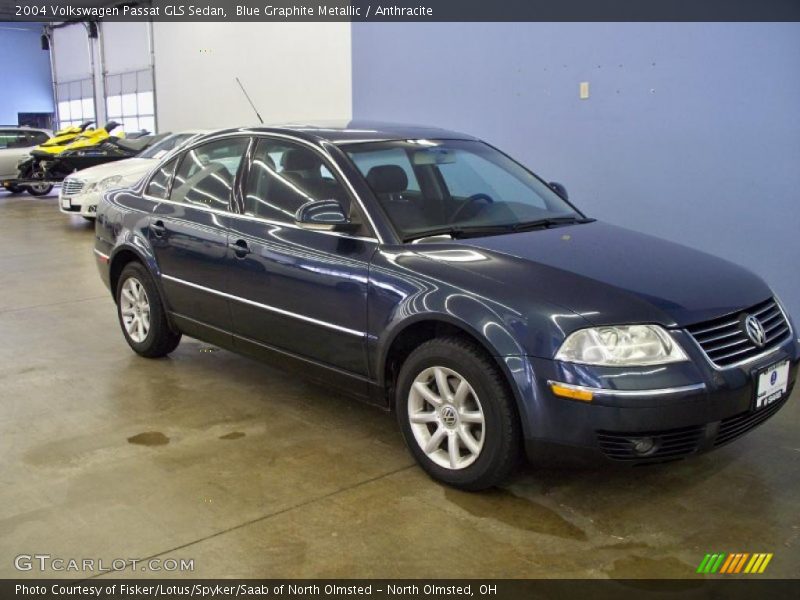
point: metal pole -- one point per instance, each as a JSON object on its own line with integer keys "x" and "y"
{"x": 152, "y": 48}
{"x": 94, "y": 75}
{"x": 51, "y": 42}
{"x": 103, "y": 70}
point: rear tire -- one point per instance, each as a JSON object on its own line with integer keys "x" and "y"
{"x": 467, "y": 435}
{"x": 141, "y": 314}
{"x": 14, "y": 189}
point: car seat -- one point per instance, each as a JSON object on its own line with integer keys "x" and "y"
{"x": 388, "y": 182}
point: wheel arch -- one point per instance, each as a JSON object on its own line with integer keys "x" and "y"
{"x": 124, "y": 255}
{"x": 413, "y": 332}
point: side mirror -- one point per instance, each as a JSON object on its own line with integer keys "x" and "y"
{"x": 326, "y": 215}
{"x": 559, "y": 189}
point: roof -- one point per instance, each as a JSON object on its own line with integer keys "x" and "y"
{"x": 362, "y": 131}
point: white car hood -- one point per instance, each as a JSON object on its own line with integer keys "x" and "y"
{"x": 130, "y": 169}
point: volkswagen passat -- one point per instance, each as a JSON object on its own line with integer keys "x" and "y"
{"x": 428, "y": 272}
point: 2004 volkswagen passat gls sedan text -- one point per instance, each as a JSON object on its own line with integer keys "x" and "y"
{"x": 428, "y": 272}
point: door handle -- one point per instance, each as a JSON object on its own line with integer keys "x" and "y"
{"x": 158, "y": 228}
{"x": 240, "y": 248}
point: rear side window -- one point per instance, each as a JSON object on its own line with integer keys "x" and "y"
{"x": 159, "y": 184}
{"x": 13, "y": 139}
{"x": 207, "y": 173}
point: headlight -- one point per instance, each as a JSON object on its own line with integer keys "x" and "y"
{"x": 621, "y": 346}
{"x": 104, "y": 184}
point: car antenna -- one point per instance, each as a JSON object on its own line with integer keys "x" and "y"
{"x": 246, "y": 95}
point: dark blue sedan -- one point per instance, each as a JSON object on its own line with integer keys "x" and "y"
{"x": 427, "y": 272}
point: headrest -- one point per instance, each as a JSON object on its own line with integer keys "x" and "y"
{"x": 387, "y": 179}
{"x": 299, "y": 160}
{"x": 267, "y": 160}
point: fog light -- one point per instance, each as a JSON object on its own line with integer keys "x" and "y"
{"x": 643, "y": 445}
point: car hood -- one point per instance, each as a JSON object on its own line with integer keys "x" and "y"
{"x": 129, "y": 168}
{"x": 607, "y": 274}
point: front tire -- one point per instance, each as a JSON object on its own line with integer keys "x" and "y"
{"x": 457, "y": 414}
{"x": 141, "y": 314}
{"x": 14, "y": 189}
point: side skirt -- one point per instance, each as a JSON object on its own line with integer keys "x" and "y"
{"x": 351, "y": 384}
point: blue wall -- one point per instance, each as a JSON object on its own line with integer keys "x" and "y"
{"x": 25, "y": 70}
{"x": 691, "y": 133}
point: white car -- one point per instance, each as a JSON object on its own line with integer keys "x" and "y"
{"x": 15, "y": 145}
{"x": 81, "y": 191}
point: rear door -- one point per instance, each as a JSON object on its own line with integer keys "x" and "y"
{"x": 294, "y": 289}
{"x": 189, "y": 234}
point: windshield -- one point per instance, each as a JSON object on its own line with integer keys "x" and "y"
{"x": 163, "y": 147}
{"x": 430, "y": 186}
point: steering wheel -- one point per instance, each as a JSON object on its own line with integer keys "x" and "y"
{"x": 469, "y": 202}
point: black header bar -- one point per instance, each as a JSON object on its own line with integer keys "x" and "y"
{"x": 403, "y": 589}
{"x": 402, "y": 10}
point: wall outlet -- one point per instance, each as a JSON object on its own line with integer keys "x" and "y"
{"x": 584, "y": 90}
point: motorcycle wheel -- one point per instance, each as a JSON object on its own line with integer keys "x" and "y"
{"x": 14, "y": 189}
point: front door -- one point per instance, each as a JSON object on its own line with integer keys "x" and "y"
{"x": 299, "y": 291}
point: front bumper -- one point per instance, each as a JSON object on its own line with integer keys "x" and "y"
{"x": 82, "y": 204}
{"x": 696, "y": 408}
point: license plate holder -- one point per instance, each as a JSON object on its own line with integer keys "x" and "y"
{"x": 771, "y": 384}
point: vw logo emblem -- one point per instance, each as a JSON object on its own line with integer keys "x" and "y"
{"x": 449, "y": 416}
{"x": 755, "y": 330}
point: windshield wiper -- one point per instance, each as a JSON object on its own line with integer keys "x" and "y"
{"x": 551, "y": 222}
{"x": 465, "y": 231}
{"x": 461, "y": 231}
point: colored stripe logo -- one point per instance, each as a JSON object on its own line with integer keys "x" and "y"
{"x": 734, "y": 563}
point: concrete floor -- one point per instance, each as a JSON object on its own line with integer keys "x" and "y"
{"x": 213, "y": 457}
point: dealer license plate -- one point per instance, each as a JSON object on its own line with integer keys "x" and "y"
{"x": 771, "y": 384}
{"x": 65, "y": 203}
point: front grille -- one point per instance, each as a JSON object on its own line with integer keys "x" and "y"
{"x": 670, "y": 444}
{"x": 71, "y": 187}
{"x": 725, "y": 342}
{"x": 736, "y": 426}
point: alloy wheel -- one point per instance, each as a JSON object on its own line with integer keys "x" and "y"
{"x": 134, "y": 307}
{"x": 446, "y": 418}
